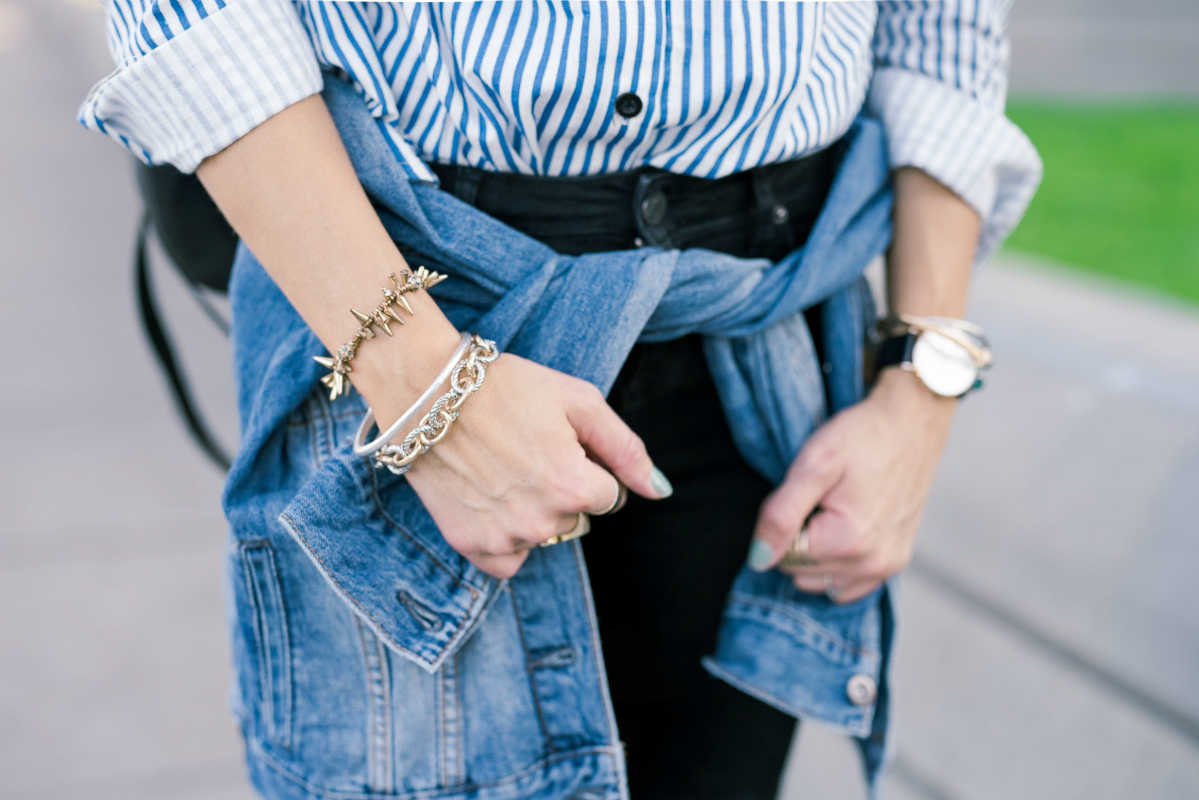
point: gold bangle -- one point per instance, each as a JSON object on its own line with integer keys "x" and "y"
{"x": 338, "y": 379}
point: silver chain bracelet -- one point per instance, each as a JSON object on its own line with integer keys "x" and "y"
{"x": 465, "y": 380}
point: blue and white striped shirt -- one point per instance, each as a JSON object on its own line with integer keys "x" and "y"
{"x": 532, "y": 86}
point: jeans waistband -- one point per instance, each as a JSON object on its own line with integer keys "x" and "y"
{"x": 764, "y": 212}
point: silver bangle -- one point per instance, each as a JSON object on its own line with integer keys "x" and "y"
{"x": 365, "y": 448}
{"x": 950, "y": 322}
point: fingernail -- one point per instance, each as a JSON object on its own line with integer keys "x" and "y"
{"x": 760, "y": 555}
{"x": 660, "y": 483}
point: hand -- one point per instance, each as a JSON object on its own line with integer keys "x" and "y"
{"x": 532, "y": 449}
{"x": 866, "y": 474}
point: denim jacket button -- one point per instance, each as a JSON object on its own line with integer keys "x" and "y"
{"x": 861, "y": 690}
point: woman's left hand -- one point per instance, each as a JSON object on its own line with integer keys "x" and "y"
{"x": 863, "y": 479}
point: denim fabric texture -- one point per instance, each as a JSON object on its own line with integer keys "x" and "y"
{"x": 372, "y": 659}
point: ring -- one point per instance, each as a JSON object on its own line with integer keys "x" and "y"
{"x": 831, "y": 590}
{"x": 582, "y": 526}
{"x": 798, "y": 554}
{"x": 617, "y": 500}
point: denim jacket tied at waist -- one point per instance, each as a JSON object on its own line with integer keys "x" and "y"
{"x": 797, "y": 652}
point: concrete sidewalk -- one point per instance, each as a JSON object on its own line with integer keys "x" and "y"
{"x": 1050, "y": 639}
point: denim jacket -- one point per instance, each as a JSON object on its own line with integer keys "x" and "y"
{"x": 371, "y": 658}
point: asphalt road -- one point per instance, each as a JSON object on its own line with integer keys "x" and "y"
{"x": 1050, "y": 637}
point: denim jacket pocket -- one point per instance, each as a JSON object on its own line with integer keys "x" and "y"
{"x": 271, "y": 637}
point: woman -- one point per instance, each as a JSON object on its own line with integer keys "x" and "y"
{"x": 672, "y": 203}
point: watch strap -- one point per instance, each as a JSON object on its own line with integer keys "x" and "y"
{"x": 897, "y": 350}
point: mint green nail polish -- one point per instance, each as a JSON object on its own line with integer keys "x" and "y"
{"x": 760, "y": 555}
{"x": 661, "y": 484}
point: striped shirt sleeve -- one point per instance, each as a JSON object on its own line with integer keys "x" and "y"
{"x": 193, "y": 76}
{"x": 939, "y": 88}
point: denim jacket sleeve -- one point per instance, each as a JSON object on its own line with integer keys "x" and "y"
{"x": 365, "y": 530}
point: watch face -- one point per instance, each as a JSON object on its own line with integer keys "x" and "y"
{"x": 944, "y": 365}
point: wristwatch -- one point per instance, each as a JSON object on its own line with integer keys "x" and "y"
{"x": 948, "y": 355}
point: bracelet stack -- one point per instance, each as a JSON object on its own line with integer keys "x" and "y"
{"x": 466, "y": 371}
{"x": 338, "y": 379}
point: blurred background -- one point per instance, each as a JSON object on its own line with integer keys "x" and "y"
{"x": 1050, "y": 639}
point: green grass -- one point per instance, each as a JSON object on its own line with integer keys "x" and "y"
{"x": 1121, "y": 191}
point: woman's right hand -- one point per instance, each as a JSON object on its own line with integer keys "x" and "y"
{"x": 531, "y": 449}
{"x": 521, "y": 461}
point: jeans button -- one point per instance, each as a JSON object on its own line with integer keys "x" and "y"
{"x": 861, "y": 690}
{"x": 779, "y": 214}
{"x": 653, "y": 209}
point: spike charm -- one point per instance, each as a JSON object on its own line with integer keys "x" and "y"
{"x": 338, "y": 379}
{"x": 380, "y": 319}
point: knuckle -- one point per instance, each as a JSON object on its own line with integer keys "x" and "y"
{"x": 879, "y": 567}
{"x": 631, "y": 449}
{"x": 532, "y": 528}
{"x": 576, "y": 496}
{"x": 569, "y": 490}
{"x": 775, "y": 517}
{"x": 873, "y": 569}
{"x": 507, "y": 567}
{"x": 499, "y": 545}
{"x": 585, "y": 392}
{"x": 821, "y": 451}
{"x": 855, "y": 549}
{"x": 825, "y": 461}
{"x": 541, "y": 531}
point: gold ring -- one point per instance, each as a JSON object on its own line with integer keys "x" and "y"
{"x": 798, "y": 554}
{"x": 582, "y": 526}
{"x": 617, "y": 499}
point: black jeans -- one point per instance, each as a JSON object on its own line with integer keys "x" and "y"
{"x": 660, "y": 570}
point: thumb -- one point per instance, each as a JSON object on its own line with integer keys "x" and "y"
{"x": 787, "y": 509}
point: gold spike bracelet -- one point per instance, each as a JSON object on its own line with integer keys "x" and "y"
{"x": 338, "y": 379}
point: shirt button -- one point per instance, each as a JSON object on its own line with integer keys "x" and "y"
{"x": 653, "y": 209}
{"x": 779, "y": 214}
{"x": 861, "y": 690}
{"x": 628, "y": 105}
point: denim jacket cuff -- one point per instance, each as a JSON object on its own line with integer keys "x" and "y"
{"x": 384, "y": 556}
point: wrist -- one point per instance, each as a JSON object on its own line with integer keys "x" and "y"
{"x": 393, "y": 371}
{"x": 905, "y": 393}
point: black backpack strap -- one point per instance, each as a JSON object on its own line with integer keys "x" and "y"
{"x": 164, "y": 352}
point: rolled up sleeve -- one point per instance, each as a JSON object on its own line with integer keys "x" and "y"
{"x": 194, "y": 76}
{"x": 939, "y": 88}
